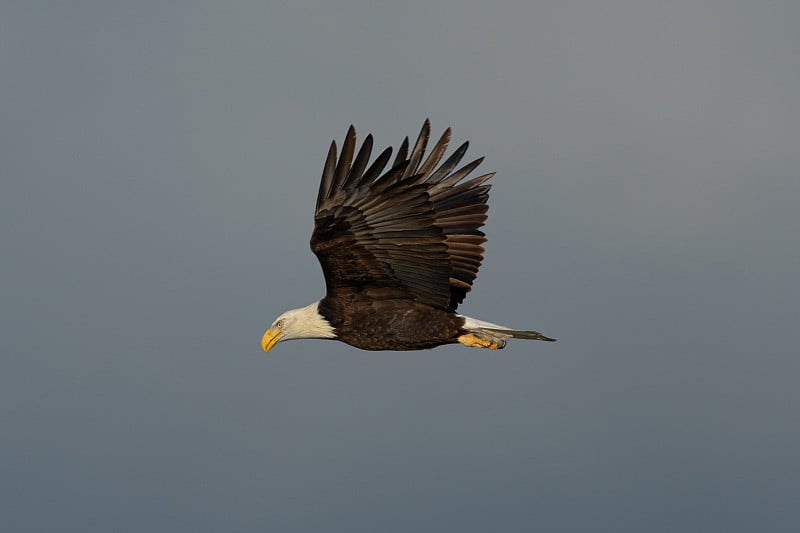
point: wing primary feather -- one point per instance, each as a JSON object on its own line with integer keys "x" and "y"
{"x": 345, "y": 158}
{"x": 466, "y": 239}
{"x": 448, "y": 165}
{"x": 327, "y": 175}
{"x": 436, "y": 154}
{"x": 457, "y": 176}
{"x": 402, "y": 153}
{"x": 390, "y": 177}
{"x": 354, "y": 176}
{"x": 377, "y": 166}
{"x": 461, "y": 196}
{"x": 438, "y": 194}
{"x": 419, "y": 149}
{"x": 462, "y": 210}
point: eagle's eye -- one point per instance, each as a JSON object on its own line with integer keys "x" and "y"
{"x": 279, "y": 324}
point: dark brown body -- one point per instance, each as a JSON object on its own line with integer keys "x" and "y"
{"x": 393, "y": 324}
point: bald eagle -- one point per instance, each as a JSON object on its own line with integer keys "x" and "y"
{"x": 399, "y": 250}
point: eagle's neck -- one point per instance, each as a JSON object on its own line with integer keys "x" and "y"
{"x": 310, "y": 324}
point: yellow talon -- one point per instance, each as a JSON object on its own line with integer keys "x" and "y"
{"x": 473, "y": 341}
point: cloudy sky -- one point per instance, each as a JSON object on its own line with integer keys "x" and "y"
{"x": 159, "y": 164}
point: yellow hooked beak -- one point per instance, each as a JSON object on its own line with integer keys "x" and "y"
{"x": 270, "y": 338}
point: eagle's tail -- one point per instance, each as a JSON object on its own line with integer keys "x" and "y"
{"x": 482, "y": 334}
{"x": 519, "y": 334}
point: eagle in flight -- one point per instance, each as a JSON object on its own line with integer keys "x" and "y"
{"x": 399, "y": 249}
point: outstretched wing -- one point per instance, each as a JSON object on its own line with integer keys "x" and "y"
{"x": 411, "y": 232}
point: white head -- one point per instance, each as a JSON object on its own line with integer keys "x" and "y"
{"x": 303, "y": 323}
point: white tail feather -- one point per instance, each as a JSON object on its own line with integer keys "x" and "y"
{"x": 499, "y": 332}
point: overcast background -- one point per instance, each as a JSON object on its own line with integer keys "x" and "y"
{"x": 160, "y": 162}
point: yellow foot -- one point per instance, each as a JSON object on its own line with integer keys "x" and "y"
{"x": 473, "y": 341}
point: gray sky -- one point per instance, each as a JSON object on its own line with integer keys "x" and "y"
{"x": 159, "y": 166}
